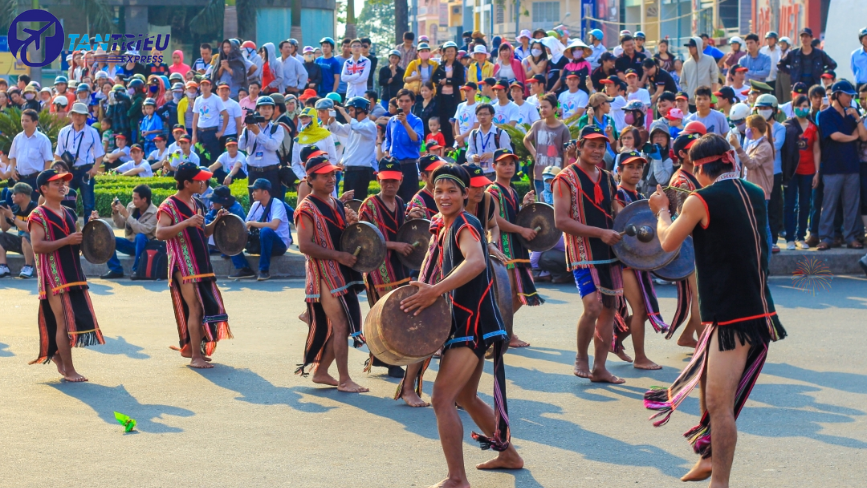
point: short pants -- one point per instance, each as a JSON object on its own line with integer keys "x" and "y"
{"x": 584, "y": 281}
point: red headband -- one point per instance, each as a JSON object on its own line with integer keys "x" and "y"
{"x": 728, "y": 157}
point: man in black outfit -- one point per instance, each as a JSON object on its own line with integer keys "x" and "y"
{"x": 629, "y": 59}
{"x": 807, "y": 63}
{"x": 605, "y": 69}
{"x": 660, "y": 80}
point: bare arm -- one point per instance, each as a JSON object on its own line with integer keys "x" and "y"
{"x": 564, "y": 222}
{"x": 308, "y": 247}
{"x": 672, "y": 235}
{"x": 41, "y": 246}
{"x": 165, "y": 229}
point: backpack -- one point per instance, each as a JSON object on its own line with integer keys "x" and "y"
{"x": 475, "y": 132}
{"x": 153, "y": 263}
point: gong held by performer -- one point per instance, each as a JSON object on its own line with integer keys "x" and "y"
{"x": 66, "y": 316}
{"x": 196, "y": 300}
{"x": 727, "y": 220}
{"x": 465, "y": 278}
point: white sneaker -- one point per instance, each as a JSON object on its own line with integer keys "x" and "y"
{"x": 26, "y": 272}
{"x": 790, "y": 246}
{"x": 4, "y": 270}
{"x": 803, "y": 245}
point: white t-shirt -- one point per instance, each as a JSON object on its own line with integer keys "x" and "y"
{"x": 466, "y": 116}
{"x": 527, "y": 113}
{"x": 278, "y": 211}
{"x": 147, "y": 173}
{"x": 504, "y": 114}
{"x": 641, "y": 94}
{"x": 124, "y": 154}
{"x": 572, "y": 102}
{"x": 228, "y": 161}
{"x": 617, "y": 114}
{"x": 715, "y": 122}
{"x": 178, "y": 157}
{"x": 156, "y": 155}
{"x": 234, "y": 110}
{"x": 534, "y": 100}
{"x": 209, "y": 111}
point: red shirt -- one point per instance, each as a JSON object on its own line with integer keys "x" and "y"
{"x": 806, "y": 165}
{"x": 437, "y": 138}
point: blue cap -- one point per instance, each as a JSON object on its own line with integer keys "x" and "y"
{"x": 264, "y": 100}
{"x": 843, "y": 86}
{"x": 260, "y": 184}
{"x": 324, "y": 104}
{"x": 358, "y": 102}
{"x": 328, "y": 40}
{"x": 640, "y": 35}
{"x": 61, "y": 79}
{"x": 598, "y": 34}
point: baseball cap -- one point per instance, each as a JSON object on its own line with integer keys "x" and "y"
{"x": 22, "y": 187}
{"x": 231, "y": 141}
{"x": 310, "y": 151}
{"x": 477, "y": 176}
{"x": 631, "y": 72}
{"x": 430, "y": 163}
{"x": 308, "y": 49}
{"x": 829, "y": 74}
{"x": 806, "y": 30}
{"x": 470, "y": 86}
{"x": 695, "y": 127}
{"x": 319, "y": 165}
{"x": 607, "y": 56}
{"x": 178, "y": 127}
{"x": 260, "y": 184}
{"x": 192, "y": 172}
{"x": 517, "y": 84}
{"x": 192, "y": 84}
{"x": 684, "y": 141}
{"x": 739, "y": 68}
{"x": 136, "y": 147}
{"x": 308, "y": 94}
{"x": 630, "y": 157}
{"x": 690, "y": 43}
{"x": 681, "y": 96}
{"x": 50, "y": 175}
{"x": 499, "y": 85}
{"x": 204, "y": 81}
{"x": 572, "y": 75}
{"x": 726, "y": 92}
{"x": 800, "y": 88}
{"x": 538, "y": 79}
{"x": 389, "y": 169}
{"x": 550, "y": 172}
{"x": 501, "y": 154}
{"x": 674, "y": 114}
{"x": 489, "y": 81}
{"x": 592, "y": 132}
{"x": 843, "y": 86}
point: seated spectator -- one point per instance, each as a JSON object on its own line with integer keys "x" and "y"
{"x": 222, "y": 198}
{"x": 183, "y": 154}
{"x": 156, "y": 157}
{"x": 120, "y": 155}
{"x": 268, "y": 215}
{"x": 230, "y": 165}
{"x": 139, "y": 222}
{"x": 15, "y": 216}
{"x": 137, "y": 166}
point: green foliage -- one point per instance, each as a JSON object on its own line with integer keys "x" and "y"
{"x": 376, "y": 21}
{"x": 209, "y": 18}
{"x": 516, "y": 135}
{"x": 10, "y": 126}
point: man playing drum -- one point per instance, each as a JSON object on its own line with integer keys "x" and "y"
{"x": 584, "y": 210}
{"x": 331, "y": 285}
{"x": 422, "y": 205}
{"x": 518, "y": 257}
{"x": 66, "y": 317}
{"x": 458, "y": 243}
{"x": 727, "y": 219}
{"x": 387, "y": 211}
{"x": 196, "y": 299}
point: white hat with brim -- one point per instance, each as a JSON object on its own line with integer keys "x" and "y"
{"x": 479, "y": 49}
{"x": 61, "y": 100}
{"x": 524, "y": 33}
{"x": 79, "y": 108}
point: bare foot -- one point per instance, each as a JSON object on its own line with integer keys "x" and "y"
{"x": 605, "y": 377}
{"x": 439, "y": 353}
{"x": 74, "y": 377}
{"x": 623, "y": 356}
{"x": 59, "y": 363}
{"x": 200, "y": 363}
{"x": 350, "y": 386}
{"x": 701, "y": 471}
{"x": 515, "y": 342}
{"x": 687, "y": 342}
{"x": 508, "y": 459}
{"x": 413, "y": 400}
{"x": 324, "y": 378}
{"x": 304, "y": 317}
{"x": 582, "y": 367}
{"x": 450, "y": 483}
{"x": 645, "y": 364}
{"x": 187, "y": 353}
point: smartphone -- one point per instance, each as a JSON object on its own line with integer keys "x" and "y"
{"x": 399, "y": 111}
{"x": 332, "y": 113}
{"x": 825, "y": 100}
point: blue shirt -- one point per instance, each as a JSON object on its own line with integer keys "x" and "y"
{"x": 779, "y": 133}
{"x": 859, "y": 65}
{"x": 329, "y": 67}
{"x": 837, "y": 157}
{"x": 397, "y": 141}
{"x": 713, "y": 52}
{"x": 759, "y": 67}
{"x": 341, "y": 88}
{"x": 151, "y": 122}
{"x": 236, "y": 209}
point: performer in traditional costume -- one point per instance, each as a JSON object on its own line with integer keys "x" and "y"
{"x": 584, "y": 210}
{"x": 518, "y": 257}
{"x": 424, "y": 200}
{"x": 682, "y": 182}
{"x": 66, "y": 317}
{"x": 387, "y": 212}
{"x": 727, "y": 220}
{"x": 196, "y": 299}
{"x": 637, "y": 285}
{"x": 483, "y": 206}
{"x": 465, "y": 279}
{"x": 331, "y": 285}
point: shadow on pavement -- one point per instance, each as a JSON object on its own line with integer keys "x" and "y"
{"x": 105, "y": 400}
{"x": 4, "y": 351}
{"x": 255, "y": 389}
{"x": 119, "y": 347}
{"x": 16, "y": 284}
{"x": 849, "y": 382}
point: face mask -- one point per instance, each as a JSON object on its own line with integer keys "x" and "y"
{"x": 802, "y": 112}
{"x": 741, "y": 126}
{"x": 536, "y": 52}
{"x": 424, "y": 56}
{"x": 308, "y": 58}
{"x": 153, "y": 89}
{"x": 191, "y": 94}
{"x": 548, "y": 186}
{"x": 629, "y": 118}
{"x": 131, "y": 91}
{"x": 749, "y": 133}
{"x": 177, "y": 96}
{"x": 766, "y": 114}
{"x": 28, "y": 96}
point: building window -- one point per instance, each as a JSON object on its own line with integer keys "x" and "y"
{"x": 500, "y": 13}
{"x": 546, "y": 12}
{"x": 456, "y": 10}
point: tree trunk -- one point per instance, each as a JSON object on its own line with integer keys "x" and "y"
{"x": 401, "y": 20}
{"x": 295, "y": 31}
{"x": 350, "y": 20}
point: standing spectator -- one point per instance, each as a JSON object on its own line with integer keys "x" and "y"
{"x": 403, "y": 138}
{"x": 30, "y": 153}
{"x": 801, "y": 156}
{"x": 713, "y": 120}
{"x": 407, "y": 50}
{"x": 178, "y": 65}
{"x": 185, "y": 108}
{"x": 709, "y": 49}
{"x": 658, "y": 79}
{"x": 208, "y": 113}
{"x": 604, "y": 71}
{"x": 839, "y": 129}
{"x": 150, "y": 125}
{"x": 310, "y": 134}
{"x": 757, "y": 157}
{"x": 596, "y": 36}
{"x": 546, "y": 140}
{"x": 630, "y": 59}
{"x": 61, "y": 84}
{"x": 465, "y": 115}
{"x": 268, "y": 215}
{"x": 272, "y": 70}
{"x": 356, "y": 71}
{"x": 425, "y": 106}
{"x": 858, "y": 62}
{"x": 766, "y": 105}
{"x": 487, "y": 139}
{"x": 248, "y": 50}
{"x": 738, "y": 75}
{"x": 480, "y": 68}
{"x": 773, "y": 51}
{"x": 314, "y": 72}
{"x": 807, "y": 63}
{"x": 788, "y": 108}
{"x": 233, "y": 112}
{"x": 359, "y": 158}
{"x": 828, "y": 78}
{"x": 391, "y": 76}
{"x": 329, "y": 68}
{"x": 139, "y": 223}
{"x": 523, "y": 49}
{"x": 248, "y": 103}
{"x": 421, "y": 70}
{"x": 15, "y": 217}
{"x": 365, "y": 51}
{"x": 537, "y": 62}
{"x": 202, "y": 65}
{"x": 136, "y": 108}
{"x": 757, "y": 64}
{"x": 699, "y": 69}
{"x": 232, "y": 67}
{"x": 294, "y": 79}
{"x": 80, "y": 144}
{"x": 345, "y": 53}
{"x": 260, "y": 142}
{"x": 730, "y": 60}
{"x": 168, "y": 113}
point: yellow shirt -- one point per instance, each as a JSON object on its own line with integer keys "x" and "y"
{"x": 473, "y": 72}
{"x": 413, "y": 70}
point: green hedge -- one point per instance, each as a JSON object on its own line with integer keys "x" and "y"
{"x": 110, "y": 186}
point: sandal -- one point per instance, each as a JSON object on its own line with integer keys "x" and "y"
{"x": 855, "y": 245}
{"x": 823, "y": 246}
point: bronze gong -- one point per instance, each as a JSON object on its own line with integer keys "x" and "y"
{"x": 230, "y": 235}
{"x": 639, "y": 247}
{"x": 682, "y": 266}
{"x": 415, "y": 232}
{"x": 366, "y": 242}
{"x": 97, "y": 242}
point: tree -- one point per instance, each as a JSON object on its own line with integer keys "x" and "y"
{"x": 350, "y": 32}
{"x": 376, "y": 21}
{"x": 10, "y": 125}
{"x": 295, "y": 31}
{"x": 401, "y": 20}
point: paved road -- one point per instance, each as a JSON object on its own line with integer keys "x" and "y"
{"x": 251, "y": 422}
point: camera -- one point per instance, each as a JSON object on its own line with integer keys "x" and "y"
{"x": 399, "y": 111}
{"x": 569, "y": 143}
{"x": 115, "y": 202}
{"x": 253, "y": 118}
